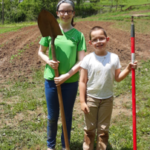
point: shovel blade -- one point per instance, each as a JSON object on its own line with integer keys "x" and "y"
{"x": 48, "y": 25}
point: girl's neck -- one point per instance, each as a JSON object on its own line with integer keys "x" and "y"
{"x": 66, "y": 27}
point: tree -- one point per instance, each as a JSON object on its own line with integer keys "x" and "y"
{"x": 94, "y": 1}
{"x": 117, "y": 1}
{"x": 2, "y": 11}
{"x": 111, "y": 5}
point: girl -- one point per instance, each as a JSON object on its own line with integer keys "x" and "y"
{"x": 70, "y": 50}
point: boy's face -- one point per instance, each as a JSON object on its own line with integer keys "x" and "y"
{"x": 99, "y": 41}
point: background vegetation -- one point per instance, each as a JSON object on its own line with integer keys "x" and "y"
{"x": 28, "y": 10}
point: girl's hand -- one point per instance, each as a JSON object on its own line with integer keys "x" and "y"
{"x": 53, "y": 64}
{"x": 132, "y": 65}
{"x": 61, "y": 79}
{"x": 84, "y": 108}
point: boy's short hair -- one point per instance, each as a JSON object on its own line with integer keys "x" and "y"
{"x": 97, "y": 28}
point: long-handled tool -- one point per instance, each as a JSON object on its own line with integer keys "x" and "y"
{"x": 133, "y": 85}
{"x": 133, "y": 77}
{"x": 50, "y": 27}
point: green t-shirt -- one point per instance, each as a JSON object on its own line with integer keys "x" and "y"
{"x": 66, "y": 49}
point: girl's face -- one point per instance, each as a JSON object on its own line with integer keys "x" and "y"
{"x": 65, "y": 13}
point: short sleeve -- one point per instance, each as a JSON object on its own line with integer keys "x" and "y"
{"x": 82, "y": 43}
{"x": 84, "y": 63}
{"x": 45, "y": 41}
{"x": 118, "y": 65}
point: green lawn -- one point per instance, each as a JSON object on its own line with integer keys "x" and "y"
{"x": 14, "y": 27}
{"x": 125, "y": 2}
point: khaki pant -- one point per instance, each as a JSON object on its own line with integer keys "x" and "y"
{"x": 97, "y": 119}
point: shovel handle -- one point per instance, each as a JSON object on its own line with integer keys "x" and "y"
{"x": 60, "y": 99}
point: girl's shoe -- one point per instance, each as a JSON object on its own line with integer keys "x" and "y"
{"x": 50, "y": 149}
{"x": 63, "y": 149}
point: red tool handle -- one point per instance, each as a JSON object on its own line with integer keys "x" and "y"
{"x": 133, "y": 86}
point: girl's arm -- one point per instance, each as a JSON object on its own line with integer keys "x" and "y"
{"x": 119, "y": 76}
{"x": 61, "y": 79}
{"x": 42, "y": 54}
{"x": 82, "y": 90}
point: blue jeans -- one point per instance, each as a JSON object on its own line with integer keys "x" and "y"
{"x": 69, "y": 91}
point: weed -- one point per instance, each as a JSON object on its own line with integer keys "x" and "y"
{"x": 1, "y": 45}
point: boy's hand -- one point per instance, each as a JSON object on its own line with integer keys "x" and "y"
{"x": 84, "y": 108}
{"x": 132, "y": 65}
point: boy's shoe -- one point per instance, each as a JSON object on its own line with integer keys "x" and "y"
{"x": 50, "y": 148}
{"x": 102, "y": 140}
{"x": 88, "y": 142}
{"x": 63, "y": 149}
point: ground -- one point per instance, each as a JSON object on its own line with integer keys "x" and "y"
{"x": 19, "y": 50}
{"x": 19, "y": 58}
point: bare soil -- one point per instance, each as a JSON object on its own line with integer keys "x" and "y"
{"x": 27, "y": 39}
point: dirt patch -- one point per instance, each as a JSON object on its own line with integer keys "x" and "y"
{"x": 119, "y": 41}
{"x": 122, "y": 105}
{"x": 139, "y": 12}
{"x": 27, "y": 40}
{"x": 24, "y": 42}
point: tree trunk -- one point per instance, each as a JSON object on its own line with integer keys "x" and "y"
{"x": 2, "y": 11}
{"x": 78, "y": 2}
{"x": 111, "y": 6}
{"x": 121, "y": 7}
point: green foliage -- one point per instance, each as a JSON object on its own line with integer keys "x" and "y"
{"x": 85, "y": 10}
{"x": 28, "y": 10}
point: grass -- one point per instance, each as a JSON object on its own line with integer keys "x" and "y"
{"x": 125, "y": 2}
{"x": 118, "y": 15}
{"x": 122, "y": 20}
{"x": 14, "y": 26}
{"x": 124, "y": 123}
{"x": 113, "y": 16}
{"x": 23, "y": 115}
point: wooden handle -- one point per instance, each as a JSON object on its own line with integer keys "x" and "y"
{"x": 60, "y": 99}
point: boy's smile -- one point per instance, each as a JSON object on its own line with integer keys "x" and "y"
{"x": 99, "y": 41}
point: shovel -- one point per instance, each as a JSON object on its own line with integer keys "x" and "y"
{"x": 49, "y": 27}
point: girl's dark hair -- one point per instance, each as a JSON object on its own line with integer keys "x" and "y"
{"x": 97, "y": 28}
{"x": 72, "y": 21}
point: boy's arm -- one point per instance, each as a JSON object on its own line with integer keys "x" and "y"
{"x": 62, "y": 78}
{"x": 119, "y": 76}
{"x": 82, "y": 90}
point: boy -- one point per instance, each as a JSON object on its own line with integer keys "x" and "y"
{"x": 99, "y": 69}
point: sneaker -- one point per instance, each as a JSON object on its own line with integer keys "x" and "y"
{"x": 63, "y": 149}
{"x": 50, "y": 149}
